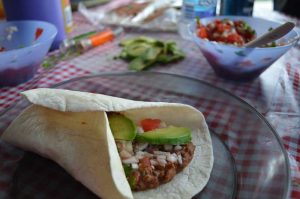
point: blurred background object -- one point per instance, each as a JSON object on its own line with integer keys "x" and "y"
{"x": 51, "y": 11}
{"x": 150, "y": 15}
{"x": 289, "y": 7}
{"x": 67, "y": 13}
{"x": 237, "y": 7}
{"x": 87, "y": 3}
{"x": 2, "y": 14}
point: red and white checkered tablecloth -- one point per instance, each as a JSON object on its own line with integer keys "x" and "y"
{"x": 275, "y": 94}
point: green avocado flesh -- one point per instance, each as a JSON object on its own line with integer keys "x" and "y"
{"x": 122, "y": 127}
{"x": 170, "y": 135}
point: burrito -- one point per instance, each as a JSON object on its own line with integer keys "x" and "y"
{"x": 117, "y": 148}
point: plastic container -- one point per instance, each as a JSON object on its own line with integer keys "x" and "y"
{"x": 44, "y": 10}
{"x": 2, "y": 14}
{"x": 24, "y": 49}
{"x": 191, "y": 9}
{"x": 67, "y": 13}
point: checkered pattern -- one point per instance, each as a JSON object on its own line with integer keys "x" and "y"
{"x": 287, "y": 95}
{"x": 275, "y": 94}
{"x": 288, "y": 127}
{"x": 44, "y": 78}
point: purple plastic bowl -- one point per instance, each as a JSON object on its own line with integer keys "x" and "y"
{"x": 24, "y": 49}
{"x": 239, "y": 63}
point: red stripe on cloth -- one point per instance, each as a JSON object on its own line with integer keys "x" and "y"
{"x": 296, "y": 79}
{"x": 288, "y": 68}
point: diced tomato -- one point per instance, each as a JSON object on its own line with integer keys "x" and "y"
{"x": 202, "y": 33}
{"x": 235, "y": 38}
{"x": 2, "y": 49}
{"x": 150, "y": 124}
{"x": 219, "y": 39}
{"x": 38, "y": 33}
{"x": 238, "y": 23}
{"x": 145, "y": 162}
{"x": 222, "y": 28}
{"x": 217, "y": 21}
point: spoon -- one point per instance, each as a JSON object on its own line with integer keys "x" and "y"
{"x": 271, "y": 35}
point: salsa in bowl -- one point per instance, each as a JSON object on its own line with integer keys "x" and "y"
{"x": 232, "y": 60}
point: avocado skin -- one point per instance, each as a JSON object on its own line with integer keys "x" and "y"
{"x": 170, "y": 135}
{"x": 122, "y": 127}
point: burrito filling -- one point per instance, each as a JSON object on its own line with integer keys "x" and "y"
{"x": 152, "y": 152}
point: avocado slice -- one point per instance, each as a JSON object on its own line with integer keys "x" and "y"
{"x": 170, "y": 135}
{"x": 122, "y": 127}
{"x": 137, "y": 40}
{"x": 137, "y": 49}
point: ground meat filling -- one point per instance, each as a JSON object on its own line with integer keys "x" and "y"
{"x": 152, "y": 165}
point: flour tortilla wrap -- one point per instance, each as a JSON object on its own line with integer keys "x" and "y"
{"x": 72, "y": 128}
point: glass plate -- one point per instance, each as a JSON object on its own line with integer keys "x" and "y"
{"x": 250, "y": 161}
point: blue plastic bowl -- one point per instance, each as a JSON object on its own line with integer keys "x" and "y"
{"x": 24, "y": 49}
{"x": 239, "y": 63}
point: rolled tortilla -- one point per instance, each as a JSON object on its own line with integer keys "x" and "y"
{"x": 71, "y": 128}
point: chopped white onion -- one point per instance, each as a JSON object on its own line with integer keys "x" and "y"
{"x": 140, "y": 130}
{"x": 179, "y": 159}
{"x": 134, "y": 166}
{"x": 168, "y": 147}
{"x": 130, "y": 160}
{"x": 224, "y": 34}
{"x": 125, "y": 145}
{"x": 139, "y": 157}
{"x": 212, "y": 25}
{"x": 141, "y": 146}
{"x": 153, "y": 162}
{"x": 230, "y": 23}
{"x": 178, "y": 147}
{"x": 140, "y": 153}
{"x": 128, "y": 146}
{"x": 172, "y": 158}
{"x": 160, "y": 153}
{"x": 162, "y": 162}
{"x": 125, "y": 154}
{"x": 161, "y": 157}
{"x": 148, "y": 154}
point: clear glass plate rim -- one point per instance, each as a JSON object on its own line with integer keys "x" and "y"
{"x": 257, "y": 113}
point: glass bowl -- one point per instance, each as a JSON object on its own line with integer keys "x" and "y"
{"x": 250, "y": 161}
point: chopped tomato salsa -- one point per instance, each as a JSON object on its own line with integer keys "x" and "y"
{"x": 226, "y": 31}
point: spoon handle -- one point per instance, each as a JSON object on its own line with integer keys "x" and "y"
{"x": 271, "y": 35}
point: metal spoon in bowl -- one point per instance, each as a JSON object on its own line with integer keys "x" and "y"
{"x": 270, "y": 36}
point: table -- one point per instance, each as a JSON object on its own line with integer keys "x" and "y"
{"x": 275, "y": 94}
